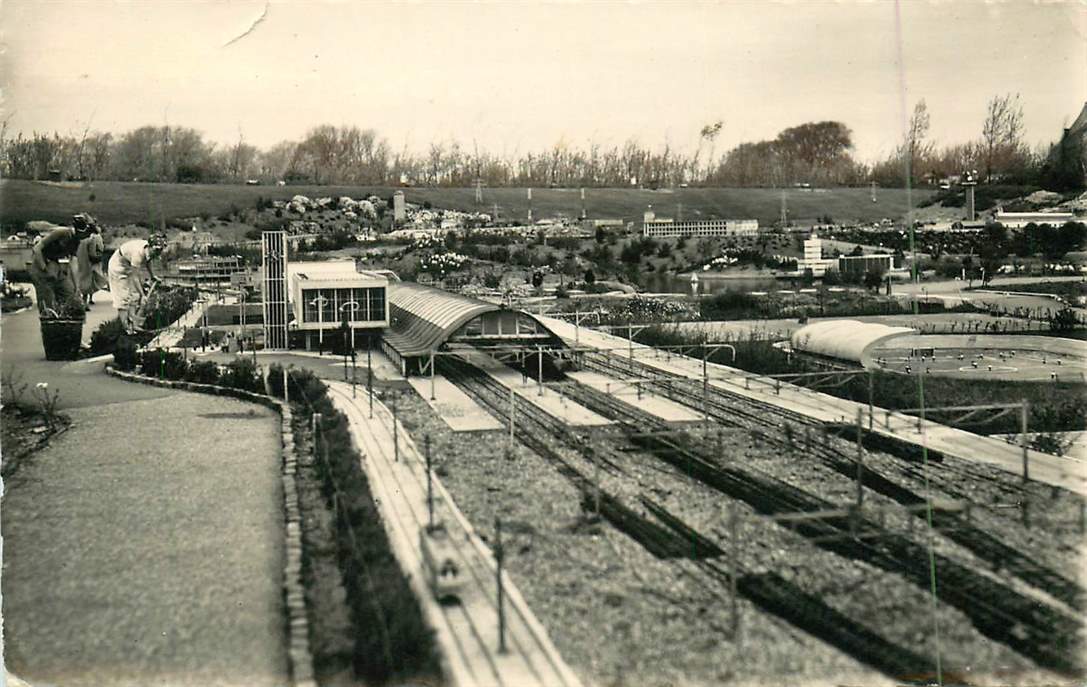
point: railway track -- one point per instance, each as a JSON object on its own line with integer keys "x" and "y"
{"x": 742, "y": 412}
{"x": 470, "y": 622}
{"x": 1036, "y": 630}
{"x": 672, "y": 539}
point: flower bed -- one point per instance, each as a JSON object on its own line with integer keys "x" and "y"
{"x": 392, "y": 641}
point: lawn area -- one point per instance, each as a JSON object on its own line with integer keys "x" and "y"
{"x": 116, "y": 202}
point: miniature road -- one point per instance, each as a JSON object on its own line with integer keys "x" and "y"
{"x": 145, "y": 544}
{"x": 467, "y": 631}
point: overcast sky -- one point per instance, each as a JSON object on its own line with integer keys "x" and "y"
{"x": 521, "y": 76}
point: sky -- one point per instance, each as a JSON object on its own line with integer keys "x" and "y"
{"x": 512, "y": 77}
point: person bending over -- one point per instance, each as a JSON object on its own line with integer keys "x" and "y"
{"x": 126, "y": 270}
{"x": 51, "y": 268}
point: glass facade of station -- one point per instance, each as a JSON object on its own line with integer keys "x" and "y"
{"x": 360, "y": 305}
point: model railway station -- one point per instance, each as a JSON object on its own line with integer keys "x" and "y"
{"x": 507, "y": 450}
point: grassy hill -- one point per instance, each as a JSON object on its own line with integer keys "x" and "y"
{"x": 116, "y": 202}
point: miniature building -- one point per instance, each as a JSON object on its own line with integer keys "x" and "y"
{"x": 426, "y": 320}
{"x": 209, "y": 270}
{"x": 323, "y": 295}
{"x": 274, "y": 288}
{"x": 1018, "y": 220}
{"x": 813, "y": 258}
{"x": 862, "y": 264}
{"x": 667, "y": 227}
{"x": 846, "y": 341}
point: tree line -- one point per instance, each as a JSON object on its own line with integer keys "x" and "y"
{"x": 815, "y": 153}
{"x": 998, "y": 155}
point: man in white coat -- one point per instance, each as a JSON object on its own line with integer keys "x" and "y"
{"x": 126, "y": 271}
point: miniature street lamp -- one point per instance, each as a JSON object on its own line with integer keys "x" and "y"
{"x": 353, "y": 307}
{"x": 319, "y": 303}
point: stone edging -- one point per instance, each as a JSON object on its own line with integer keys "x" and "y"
{"x": 298, "y": 647}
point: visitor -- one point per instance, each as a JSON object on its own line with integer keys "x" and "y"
{"x": 51, "y": 269}
{"x": 88, "y": 263}
{"x": 126, "y": 268}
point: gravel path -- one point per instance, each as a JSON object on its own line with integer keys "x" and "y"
{"x": 144, "y": 546}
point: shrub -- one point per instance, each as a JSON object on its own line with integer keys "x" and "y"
{"x": 242, "y": 373}
{"x": 1063, "y": 320}
{"x": 125, "y": 354}
{"x": 104, "y": 339}
{"x": 166, "y": 305}
{"x": 202, "y": 372}
{"x": 275, "y": 380}
{"x": 163, "y": 364}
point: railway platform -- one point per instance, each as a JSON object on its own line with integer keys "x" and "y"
{"x": 546, "y": 398}
{"x": 467, "y": 631}
{"x": 460, "y": 412}
{"x": 652, "y": 403}
{"x": 1059, "y": 471}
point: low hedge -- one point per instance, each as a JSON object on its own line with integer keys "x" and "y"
{"x": 241, "y": 373}
{"x": 202, "y": 372}
{"x": 392, "y": 641}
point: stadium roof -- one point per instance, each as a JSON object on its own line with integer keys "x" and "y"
{"x": 849, "y": 340}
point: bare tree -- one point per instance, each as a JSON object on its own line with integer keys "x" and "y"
{"x": 709, "y": 133}
{"x": 916, "y": 149}
{"x": 1001, "y": 134}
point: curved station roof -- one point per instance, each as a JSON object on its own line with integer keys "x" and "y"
{"x": 423, "y": 318}
{"x": 849, "y": 340}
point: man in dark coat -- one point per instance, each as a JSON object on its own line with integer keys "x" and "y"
{"x": 51, "y": 268}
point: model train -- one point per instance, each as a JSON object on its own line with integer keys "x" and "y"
{"x": 443, "y": 574}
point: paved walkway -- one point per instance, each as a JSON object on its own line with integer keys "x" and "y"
{"x": 144, "y": 545}
{"x": 466, "y": 631}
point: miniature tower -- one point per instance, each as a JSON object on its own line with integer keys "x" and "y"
{"x": 970, "y": 182}
{"x": 274, "y": 283}
{"x": 399, "y": 211}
